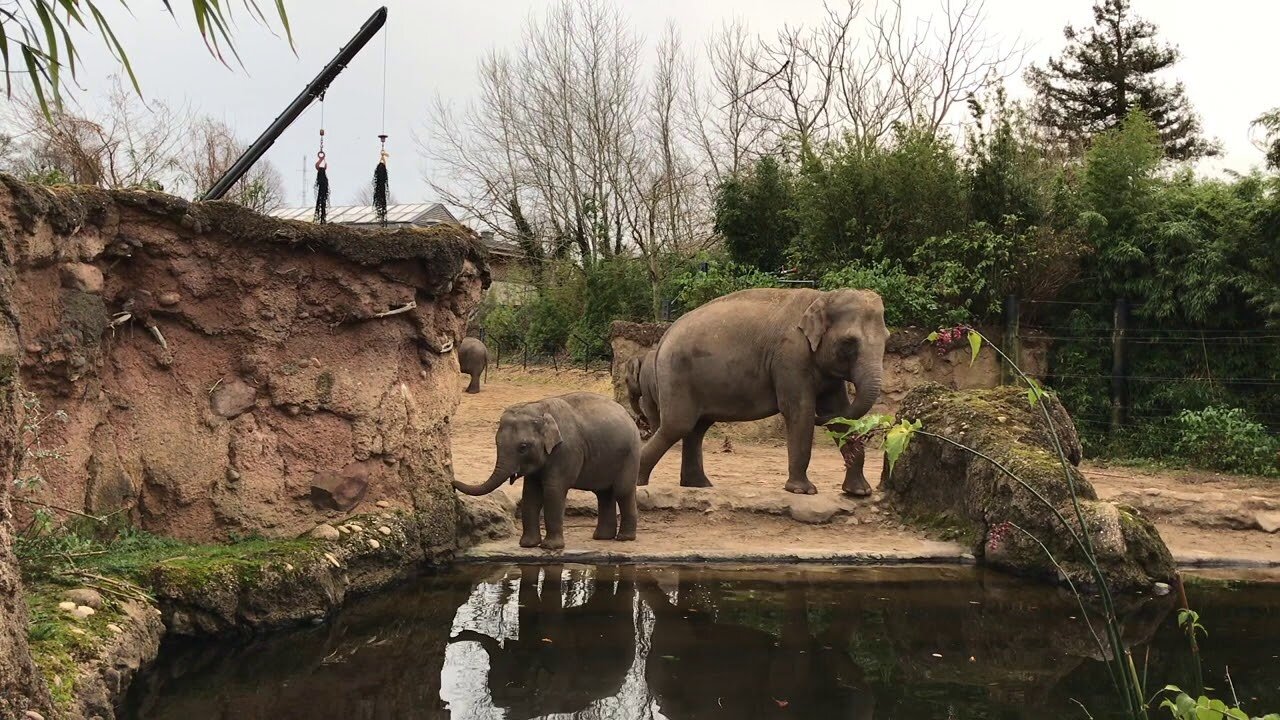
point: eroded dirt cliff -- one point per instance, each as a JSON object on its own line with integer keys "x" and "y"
{"x": 226, "y": 374}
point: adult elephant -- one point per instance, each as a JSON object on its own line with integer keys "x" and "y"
{"x": 473, "y": 358}
{"x": 756, "y": 353}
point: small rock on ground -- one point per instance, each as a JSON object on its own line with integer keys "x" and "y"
{"x": 814, "y": 509}
{"x": 82, "y": 612}
{"x": 325, "y": 531}
{"x": 85, "y": 596}
{"x": 383, "y": 504}
{"x": 1267, "y": 521}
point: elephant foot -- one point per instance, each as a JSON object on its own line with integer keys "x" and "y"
{"x": 626, "y": 535}
{"x": 856, "y": 489}
{"x": 642, "y": 481}
{"x": 604, "y": 534}
{"x": 528, "y": 541}
{"x": 800, "y": 487}
{"x": 698, "y": 482}
{"x": 473, "y": 392}
{"x": 553, "y": 543}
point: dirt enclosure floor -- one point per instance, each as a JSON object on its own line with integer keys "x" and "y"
{"x": 1208, "y": 520}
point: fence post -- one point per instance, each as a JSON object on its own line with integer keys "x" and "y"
{"x": 1012, "y": 344}
{"x": 1119, "y": 367}
{"x": 526, "y": 356}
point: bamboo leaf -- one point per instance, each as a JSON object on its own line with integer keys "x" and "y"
{"x": 975, "y": 344}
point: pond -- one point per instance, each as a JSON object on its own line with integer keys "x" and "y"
{"x": 585, "y": 642}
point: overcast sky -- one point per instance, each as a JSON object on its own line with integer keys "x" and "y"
{"x": 433, "y": 45}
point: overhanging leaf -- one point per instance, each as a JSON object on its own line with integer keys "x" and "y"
{"x": 975, "y": 344}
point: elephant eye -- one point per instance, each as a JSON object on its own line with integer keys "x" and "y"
{"x": 524, "y": 447}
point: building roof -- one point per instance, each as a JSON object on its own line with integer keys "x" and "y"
{"x": 419, "y": 214}
{"x": 415, "y": 214}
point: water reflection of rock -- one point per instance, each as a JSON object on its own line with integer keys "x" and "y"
{"x": 678, "y": 643}
{"x": 379, "y": 658}
{"x": 564, "y": 658}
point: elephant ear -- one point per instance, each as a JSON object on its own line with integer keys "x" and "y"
{"x": 814, "y": 322}
{"x": 550, "y": 433}
{"x": 633, "y": 373}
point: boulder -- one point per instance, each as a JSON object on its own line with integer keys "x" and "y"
{"x": 341, "y": 490}
{"x": 938, "y": 483}
{"x": 487, "y": 517}
{"x": 81, "y": 276}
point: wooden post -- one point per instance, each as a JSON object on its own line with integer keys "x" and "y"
{"x": 1119, "y": 367}
{"x": 1012, "y": 345}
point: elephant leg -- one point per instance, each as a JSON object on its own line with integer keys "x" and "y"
{"x": 799, "y": 447}
{"x": 691, "y": 472}
{"x": 553, "y": 500}
{"x": 659, "y": 443}
{"x": 531, "y": 513}
{"x": 855, "y": 481}
{"x": 606, "y": 515}
{"x": 624, "y": 494}
{"x": 474, "y": 387}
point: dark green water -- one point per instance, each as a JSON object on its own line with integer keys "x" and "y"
{"x": 697, "y": 643}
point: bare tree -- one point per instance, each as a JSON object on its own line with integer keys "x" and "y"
{"x": 940, "y": 61}
{"x": 720, "y": 120}
{"x": 211, "y": 151}
{"x": 124, "y": 144}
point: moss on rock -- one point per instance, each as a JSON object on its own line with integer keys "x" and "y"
{"x": 935, "y": 479}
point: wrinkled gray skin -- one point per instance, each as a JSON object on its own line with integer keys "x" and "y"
{"x": 755, "y": 353}
{"x": 642, "y": 392}
{"x": 473, "y": 358}
{"x": 579, "y": 440}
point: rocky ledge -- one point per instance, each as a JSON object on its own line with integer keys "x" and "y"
{"x": 1022, "y": 520}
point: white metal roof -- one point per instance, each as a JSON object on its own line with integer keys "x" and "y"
{"x": 416, "y": 214}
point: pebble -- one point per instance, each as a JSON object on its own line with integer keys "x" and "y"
{"x": 1160, "y": 588}
{"x": 344, "y": 529}
{"x": 383, "y": 504}
{"x": 332, "y": 560}
{"x": 75, "y": 631}
{"x": 288, "y": 567}
{"x": 355, "y": 528}
{"x": 853, "y": 520}
{"x": 115, "y": 628}
{"x": 325, "y": 531}
{"x": 168, "y": 299}
{"x": 384, "y": 530}
{"x": 81, "y": 612}
{"x": 32, "y": 715}
{"x": 374, "y": 544}
{"x": 68, "y": 606}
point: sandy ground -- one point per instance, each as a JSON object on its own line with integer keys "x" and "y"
{"x": 1205, "y": 518}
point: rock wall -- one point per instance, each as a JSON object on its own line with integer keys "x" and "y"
{"x": 21, "y": 686}
{"x": 226, "y": 374}
{"x": 909, "y": 361}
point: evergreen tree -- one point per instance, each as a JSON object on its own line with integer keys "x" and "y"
{"x": 753, "y": 214}
{"x": 1106, "y": 71}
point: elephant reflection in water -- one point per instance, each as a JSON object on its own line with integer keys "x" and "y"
{"x": 700, "y": 668}
{"x": 565, "y": 658}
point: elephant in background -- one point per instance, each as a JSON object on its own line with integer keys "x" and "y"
{"x": 564, "y": 659}
{"x": 473, "y": 359}
{"x": 700, "y": 668}
{"x": 756, "y": 353}
{"x": 579, "y": 440}
{"x": 642, "y": 392}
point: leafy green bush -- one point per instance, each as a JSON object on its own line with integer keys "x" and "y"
{"x": 1227, "y": 439}
{"x": 908, "y": 300}
{"x": 695, "y": 287}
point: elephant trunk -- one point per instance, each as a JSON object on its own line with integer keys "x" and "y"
{"x": 499, "y": 476}
{"x": 866, "y": 380}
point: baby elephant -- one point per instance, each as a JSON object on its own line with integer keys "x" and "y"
{"x": 580, "y": 440}
{"x": 473, "y": 357}
{"x": 642, "y": 392}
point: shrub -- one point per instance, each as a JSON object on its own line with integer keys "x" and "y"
{"x": 908, "y": 300}
{"x": 1227, "y": 439}
{"x": 697, "y": 287}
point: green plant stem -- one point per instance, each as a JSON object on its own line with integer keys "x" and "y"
{"x": 1108, "y": 601}
{"x": 1191, "y": 638}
